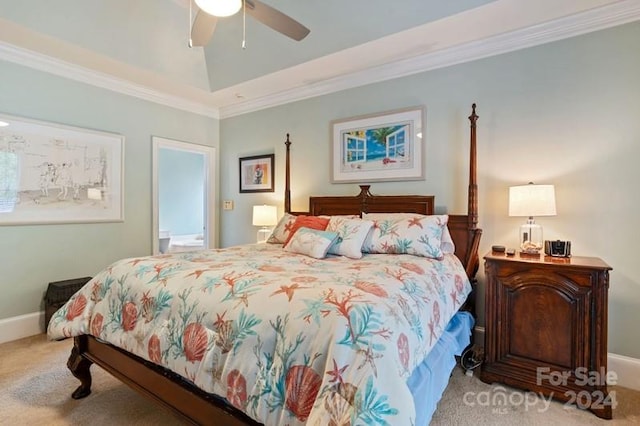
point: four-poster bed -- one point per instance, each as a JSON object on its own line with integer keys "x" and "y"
{"x": 192, "y": 404}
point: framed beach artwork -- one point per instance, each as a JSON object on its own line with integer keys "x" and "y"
{"x": 379, "y": 147}
{"x": 257, "y": 173}
{"x": 52, "y": 173}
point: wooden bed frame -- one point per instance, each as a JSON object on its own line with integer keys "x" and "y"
{"x": 195, "y": 406}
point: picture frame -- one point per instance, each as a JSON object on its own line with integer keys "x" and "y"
{"x": 257, "y": 173}
{"x": 379, "y": 147}
{"x": 53, "y": 173}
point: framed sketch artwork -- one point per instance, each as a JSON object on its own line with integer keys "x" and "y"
{"x": 378, "y": 147}
{"x": 257, "y": 173}
{"x": 51, "y": 173}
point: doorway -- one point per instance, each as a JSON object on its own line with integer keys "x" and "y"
{"x": 182, "y": 196}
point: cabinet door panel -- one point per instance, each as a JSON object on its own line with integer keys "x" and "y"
{"x": 544, "y": 318}
{"x": 541, "y": 324}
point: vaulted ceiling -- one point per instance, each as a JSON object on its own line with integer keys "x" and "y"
{"x": 141, "y": 48}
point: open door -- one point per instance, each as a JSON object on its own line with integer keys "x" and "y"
{"x": 183, "y": 196}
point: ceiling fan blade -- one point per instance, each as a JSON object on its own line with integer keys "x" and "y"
{"x": 277, "y": 20}
{"x": 202, "y": 29}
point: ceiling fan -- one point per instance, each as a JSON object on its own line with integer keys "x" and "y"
{"x": 209, "y": 11}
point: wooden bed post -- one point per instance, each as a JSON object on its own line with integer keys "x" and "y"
{"x": 287, "y": 178}
{"x": 473, "y": 184}
{"x": 472, "y": 262}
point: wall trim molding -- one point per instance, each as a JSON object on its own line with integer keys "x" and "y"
{"x": 51, "y": 65}
{"x": 581, "y": 23}
{"x": 22, "y": 326}
{"x": 626, "y": 368}
{"x": 611, "y": 15}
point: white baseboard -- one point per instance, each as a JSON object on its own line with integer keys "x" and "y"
{"x": 627, "y": 369}
{"x": 15, "y": 328}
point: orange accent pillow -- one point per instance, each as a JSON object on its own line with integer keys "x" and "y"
{"x": 313, "y": 222}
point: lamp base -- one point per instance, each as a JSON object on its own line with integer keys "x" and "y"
{"x": 531, "y": 238}
{"x": 531, "y": 254}
{"x": 263, "y": 235}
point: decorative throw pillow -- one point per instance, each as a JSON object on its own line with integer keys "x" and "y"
{"x": 282, "y": 229}
{"x": 447, "y": 246}
{"x": 418, "y": 235}
{"x": 313, "y": 222}
{"x": 311, "y": 242}
{"x": 351, "y": 235}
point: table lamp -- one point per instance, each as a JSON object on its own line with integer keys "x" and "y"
{"x": 531, "y": 200}
{"x": 264, "y": 216}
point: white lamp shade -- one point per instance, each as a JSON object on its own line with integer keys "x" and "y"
{"x": 532, "y": 200}
{"x": 265, "y": 215}
{"x": 220, "y": 7}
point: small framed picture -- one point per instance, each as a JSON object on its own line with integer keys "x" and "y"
{"x": 257, "y": 173}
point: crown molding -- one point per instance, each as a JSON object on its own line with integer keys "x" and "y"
{"x": 618, "y": 13}
{"x": 581, "y": 23}
{"x": 41, "y": 62}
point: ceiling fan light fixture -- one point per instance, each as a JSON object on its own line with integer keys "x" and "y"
{"x": 219, "y": 8}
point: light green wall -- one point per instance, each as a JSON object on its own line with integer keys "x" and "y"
{"x": 32, "y": 256}
{"x": 565, "y": 113}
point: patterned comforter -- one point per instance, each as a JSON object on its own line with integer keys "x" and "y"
{"x": 286, "y": 338}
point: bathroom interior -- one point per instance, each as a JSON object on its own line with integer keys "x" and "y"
{"x": 181, "y": 200}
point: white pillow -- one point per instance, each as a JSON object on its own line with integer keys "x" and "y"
{"x": 418, "y": 235}
{"x": 351, "y": 235}
{"x": 281, "y": 231}
{"x": 311, "y": 242}
{"x": 447, "y": 246}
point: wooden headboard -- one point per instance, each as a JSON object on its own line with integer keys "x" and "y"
{"x": 463, "y": 228}
{"x": 365, "y": 202}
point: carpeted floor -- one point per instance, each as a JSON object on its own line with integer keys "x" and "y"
{"x": 36, "y": 388}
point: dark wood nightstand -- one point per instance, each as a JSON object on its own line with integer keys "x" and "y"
{"x": 546, "y": 327}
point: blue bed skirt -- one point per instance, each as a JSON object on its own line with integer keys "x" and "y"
{"x": 429, "y": 380}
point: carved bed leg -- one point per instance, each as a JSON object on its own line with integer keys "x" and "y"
{"x": 79, "y": 367}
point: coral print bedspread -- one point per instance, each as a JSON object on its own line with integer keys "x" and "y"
{"x": 286, "y": 338}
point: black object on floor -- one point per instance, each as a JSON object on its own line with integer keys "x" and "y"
{"x": 58, "y": 293}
